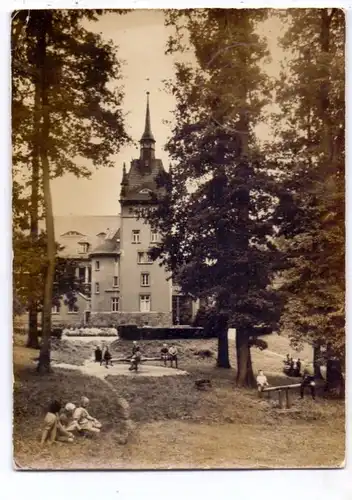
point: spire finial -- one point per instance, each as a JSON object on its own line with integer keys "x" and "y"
{"x": 124, "y": 174}
{"x": 147, "y": 134}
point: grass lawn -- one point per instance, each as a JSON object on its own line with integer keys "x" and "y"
{"x": 176, "y": 425}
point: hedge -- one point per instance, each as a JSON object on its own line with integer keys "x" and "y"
{"x": 134, "y": 332}
{"x": 89, "y": 334}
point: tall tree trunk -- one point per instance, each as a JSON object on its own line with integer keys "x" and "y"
{"x": 223, "y": 360}
{"x": 317, "y": 360}
{"x": 32, "y": 340}
{"x": 44, "y": 356}
{"x": 245, "y": 376}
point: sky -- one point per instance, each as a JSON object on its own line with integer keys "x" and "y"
{"x": 141, "y": 37}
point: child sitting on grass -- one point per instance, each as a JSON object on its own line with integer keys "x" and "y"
{"x": 53, "y": 429}
{"x": 85, "y": 421}
{"x": 66, "y": 418}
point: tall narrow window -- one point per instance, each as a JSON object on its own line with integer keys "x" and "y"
{"x": 114, "y": 304}
{"x": 154, "y": 237}
{"x": 144, "y": 303}
{"x": 83, "y": 247}
{"x": 55, "y": 309}
{"x": 97, "y": 265}
{"x": 145, "y": 279}
{"x": 97, "y": 288}
{"x": 136, "y": 236}
{"x": 115, "y": 282}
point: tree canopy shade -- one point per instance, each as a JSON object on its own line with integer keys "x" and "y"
{"x": 216, "y": 219}
{"x": 65, "y": 110}
{"x": 310, "y": 132}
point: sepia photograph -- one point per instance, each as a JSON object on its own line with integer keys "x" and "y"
{"x": 178, "y": 232}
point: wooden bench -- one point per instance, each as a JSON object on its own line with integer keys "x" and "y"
{"x": 128, "y": 360}
{"x": 284, "y": 393}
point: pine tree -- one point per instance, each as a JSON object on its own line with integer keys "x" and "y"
{"x": 217, "y": 216}
{"x": 64, "y": 111}
{"x": 310, "y": 130}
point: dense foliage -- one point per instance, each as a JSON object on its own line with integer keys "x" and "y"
{"x": 64, "y": 111}
{"x": 217, "y": 217}
{"x": 310, "y": 149}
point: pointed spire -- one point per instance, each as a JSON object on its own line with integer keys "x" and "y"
{"x": 124, "y": 174}
{"x": 124, "y": 181}
{"x": 147, "y": 134}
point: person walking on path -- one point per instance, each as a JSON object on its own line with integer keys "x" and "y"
{"x": 107, "y": 357}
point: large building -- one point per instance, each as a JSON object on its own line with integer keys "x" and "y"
{"x": 122, "y": 283}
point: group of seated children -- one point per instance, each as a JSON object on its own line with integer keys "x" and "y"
{"x": 169, "y": 354}
{"x": 62, "y": 424}
{"x": 103, "y": 355}
{"x": 292, "y": 367}
{"x": 166, "y": 354}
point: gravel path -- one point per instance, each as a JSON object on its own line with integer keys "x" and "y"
{"x": 94, "y": 369}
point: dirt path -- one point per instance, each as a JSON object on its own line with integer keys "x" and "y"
{"x": 94, "y": 369}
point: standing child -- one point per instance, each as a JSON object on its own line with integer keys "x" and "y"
{"x": 107, "y": 357}
{"x": 98, "y": 354}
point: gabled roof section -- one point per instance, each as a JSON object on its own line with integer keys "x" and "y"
{"x": 108, "y": 247}
{"x": 72, "y": 233}
{"x": 87, "y": 227}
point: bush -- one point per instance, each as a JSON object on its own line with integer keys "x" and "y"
{"x": 133, "y": 332}
{"x": 56, "y": 332}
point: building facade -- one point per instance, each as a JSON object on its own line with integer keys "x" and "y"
{"x": 122, "y": 284}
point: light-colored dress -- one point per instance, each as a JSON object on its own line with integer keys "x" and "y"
{"x": 86, "y": 421}
{"x": 68, "y": 423}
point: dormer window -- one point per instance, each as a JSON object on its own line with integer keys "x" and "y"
{"x": 145, "y": 191}
{"x": 83, "y": 248}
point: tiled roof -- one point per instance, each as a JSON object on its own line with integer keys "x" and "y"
{"x": 141, "y": 177}
{"x": 108, "y": 247}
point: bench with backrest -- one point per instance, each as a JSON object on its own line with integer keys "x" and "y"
{"x": 283, "y": 392}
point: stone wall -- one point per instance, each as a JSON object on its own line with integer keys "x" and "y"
{"x": 124, "y": 318}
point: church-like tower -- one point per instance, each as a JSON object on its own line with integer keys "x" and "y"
{"x": 145, "y": 292}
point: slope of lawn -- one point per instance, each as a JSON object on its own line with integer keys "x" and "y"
{"x": 176, "y": 424}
